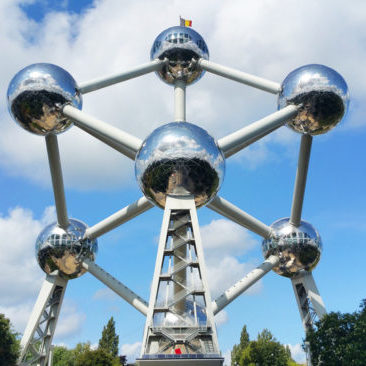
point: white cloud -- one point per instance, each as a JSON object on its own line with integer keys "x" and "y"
{"x": 297, "y": 353}
{"x": 235, "y": 38}
{"x": 131, "y": 350}
{"x": 70, "y": 322}
{"x": 21, "y": 275}
{"x": 227, "y": 356}
{"x": 105, "y": 294}
{"x": 222, "y": 241}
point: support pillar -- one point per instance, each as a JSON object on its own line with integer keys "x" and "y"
{"x": 309, "y": 302}
{"x": 37, "y": 339}
{"x": 180, "y": 326}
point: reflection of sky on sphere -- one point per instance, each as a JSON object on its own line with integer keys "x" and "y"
{"x": 179, "y": 140}
{"x": 62, "y": 250}
{"x": 182, "y": 37}
{"x": 313, "y": 77}
{"x": 298, "y": 248}
{"x": 47, "y": 77}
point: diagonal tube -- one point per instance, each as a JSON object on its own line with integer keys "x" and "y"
{"x": 227, "y": 209}
{"x": 127, "y": 144}
{"x": 239, "y": 76}
{"x": 119, "y": 288}
{"x": 300, "y": 181}
{"x": 118, "y": 218}
{"x": 240, "y": 139}
{"x": 250, "y": 279}
{"x": 57, "y": 180}
{"x": 103, "y": 82}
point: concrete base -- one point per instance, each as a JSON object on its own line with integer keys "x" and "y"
{"x": 181, "y": 361}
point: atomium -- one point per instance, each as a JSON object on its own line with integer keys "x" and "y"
{"x": 182, "y": 47}
{"x": 179, "y": 167}
{"x": 179, "y": 159}
{"x": 298, "y": 247}
{"x": 36, "y": 95}
{"x": 322, "y": 94}
{"x": 63, "y": 250}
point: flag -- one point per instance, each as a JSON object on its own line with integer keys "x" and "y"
{"x": 185, "y": 22}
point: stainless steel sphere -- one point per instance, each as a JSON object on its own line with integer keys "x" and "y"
{"x": 35, "y": 95}
{"x": 179, "y": 158}
{"x": 59, "y": 249}
{"x": 298, "y": 247}
{"x": 323, "y": 94}
{"x": 182, "y": 46}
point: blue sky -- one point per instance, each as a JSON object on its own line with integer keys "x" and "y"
{"x": 91, "y": 40}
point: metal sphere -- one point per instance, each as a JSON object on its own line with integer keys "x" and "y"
{"x": 298, "y": 248}
{"x": 35, "y": 95}
{"x": 323, "y": 94}
{"x": 62, "y": 250}
{"x": 182, "y": 46}
{"x": 179, "y": 158}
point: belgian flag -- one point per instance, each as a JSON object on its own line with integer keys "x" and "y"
{"x": 185, "y": 22}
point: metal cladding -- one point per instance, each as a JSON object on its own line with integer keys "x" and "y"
{"x": 36, "y": 95}
{"x": 183, "y": 47}
{"x": 180, "y": 159}
{"x": 299, "y": 248}
{"x": 63, "y": 250}
{"x": 323, "y": 94}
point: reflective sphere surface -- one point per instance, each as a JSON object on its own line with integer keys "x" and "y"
{"x": 57, "y": 249}
{"x": 182, "y": 46}
{"x": 298, "y": 247}
{"x": 35, "y": 96}
{"x": 179, "y": 158}
{"x": 323, "y": 94}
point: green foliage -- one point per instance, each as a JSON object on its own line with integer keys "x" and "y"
{"x": 239, "y": 348}
{"x": 109, "y": 340}
{"x": 265, "y": 351}
{"x": 339, "y": 339}
{"x": 9, "y": 344}
{"x": 98, "y": 357}
{"x": 63, "y": 356}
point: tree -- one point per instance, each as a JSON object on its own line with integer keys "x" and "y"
{"x": 98, "y": 357}
{"x": 63, "y": 356}
{"x": 239, "y": 348}
{"x": 109, "y": 340}
{"x": 265, "y": 351}
{"x": 9, "y": 344}
{"x": 339, "y": 339}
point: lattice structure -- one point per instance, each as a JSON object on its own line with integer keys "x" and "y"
{"x": 179, "y": 167}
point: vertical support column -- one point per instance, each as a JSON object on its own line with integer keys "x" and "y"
{"x": 180, "y": 101}
{"x": 309, "y": 302}
{"x": 38, "y": 334}
{"x": 180, "y": 323}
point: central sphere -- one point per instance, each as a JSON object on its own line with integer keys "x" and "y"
{"x": 179, "y": 159}
{"x": 62, "y": 250}
{"x": 182, "y": 46}
{"x": 298, "y": 247}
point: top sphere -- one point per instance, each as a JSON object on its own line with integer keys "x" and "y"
{"x": 298, "y": 247}
{"x": 35, "y": 95}
{"x": 323, "y": 94}
{"x": 179, "y": 159}
{"x": 182, "y": 46}
{"x": 62, "y": 250}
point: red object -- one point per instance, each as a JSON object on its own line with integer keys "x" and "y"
{"x": 178, "y": 351}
